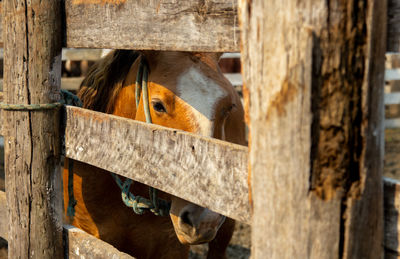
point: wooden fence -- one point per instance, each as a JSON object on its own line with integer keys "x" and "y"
{"x": 392, "y": 90}
{"x": 314, "y": 98}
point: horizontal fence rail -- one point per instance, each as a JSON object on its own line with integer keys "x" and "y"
{"x": 393, "y": 26}
{"x": 1, "y": 117}
{"x": 72, "y": 54}
{"x": 392, "y": 74}
{"x": 392, "y": 123}
{"x": 392, "y": 98}
{"x": 205, "y": 171}
{"x": 83, "y": 245}
{"x": 160, "y": 25}
{"x": 391, "y": 217}
{"x": 168, "y": 25}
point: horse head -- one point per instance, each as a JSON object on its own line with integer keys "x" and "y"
{"x": 186, "y": 91}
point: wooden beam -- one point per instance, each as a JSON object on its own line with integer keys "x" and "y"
{"x": 234, "y": 78}
{"x": 314, "y": 76}
{"x": 208, "y": 172}
{"x": 224, "y": 24}
{"x": 393, "y": 26}
{"x": 81, "y": 54}
{"x": 74, "y": 54}
{"x": 392, "y": 123}
{"x": 392, "y": 98}
{"x": 1, "y": 123}
{"x": 392, "y": 74}
{"x": 392, "y": 220}
{"x": 189, "y": 25}
{"x": 80, "y": 244}
{"x": 3, "y": 216}
{"x": 1, "y": 116}
{"x": 1, "y": 24}
{"x": 392, "y": 60}
{"x": 71, "y": 83}
{"x": 32, "y": 75}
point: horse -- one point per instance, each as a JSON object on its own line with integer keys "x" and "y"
{"x": 187, "y": 91}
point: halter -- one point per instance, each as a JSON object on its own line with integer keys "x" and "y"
{"x": 138, "y": 203}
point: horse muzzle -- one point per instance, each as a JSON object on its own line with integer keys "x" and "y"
{"x": 197, "y": 225}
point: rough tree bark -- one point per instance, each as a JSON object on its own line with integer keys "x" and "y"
{"x": 32, "y": 74}
{"x": 314, "y": 83}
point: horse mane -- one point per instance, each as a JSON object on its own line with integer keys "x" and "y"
{"x": 105, "y": 79}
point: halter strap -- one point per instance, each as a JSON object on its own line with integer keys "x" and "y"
{"x": 138, "y": 203}
{"x": 141, "y": 84}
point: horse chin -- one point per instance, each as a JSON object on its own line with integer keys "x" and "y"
{"x": 196, "y": 240}
{"x": 194, "y": 236}
{"x": 194, "y": 224}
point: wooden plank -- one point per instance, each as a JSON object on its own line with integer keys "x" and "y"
{"x": 205, "y": 171}
{"x": 32, "y": 74}
{"x": 1, "y": 124}
{"x": 392, "y": 74}
{"x": 74, "y": 54}
{"x": 393, "y": 26}
{"x": 316, "y": 144}
{"x": 80, "y": 244}
{"x": 234, "y": 78}
{"x": 81, "y": 54}
{"x": 3, "y": 216}
{"x": 392, "y": 60}
{"x": 230, "y": 55}
{"x": 227, "y": 40}
{"x": 1, "y": 24}
{"x": 392, "y": 123}
{"x": 158, "y": 25}
{"x": 1, "y": 116}
{"x": 392, "y": 98}
{"x": 392, "y": 221}
{"x": 71, "y": 83}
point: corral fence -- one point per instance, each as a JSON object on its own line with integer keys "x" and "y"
{"x": 392, "y": 90}
{"x": 313, "y": 73}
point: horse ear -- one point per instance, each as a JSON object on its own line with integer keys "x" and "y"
{"x": 151, "y": 56}
{"x": 218, "y": 55}
{"x": 214, "y": 55}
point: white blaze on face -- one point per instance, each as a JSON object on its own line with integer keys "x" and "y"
{"x": 201, "y": 94}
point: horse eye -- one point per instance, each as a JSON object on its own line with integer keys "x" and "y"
{"x": 158, "y": 106}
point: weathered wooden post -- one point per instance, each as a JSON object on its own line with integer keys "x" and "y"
{"x": 32, "y": 75}
{"x": 314, "y": 77}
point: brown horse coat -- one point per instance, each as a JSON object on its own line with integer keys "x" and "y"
{"x": 187, "y": 91}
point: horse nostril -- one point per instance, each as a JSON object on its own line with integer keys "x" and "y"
{"x": 186, "y": 219}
